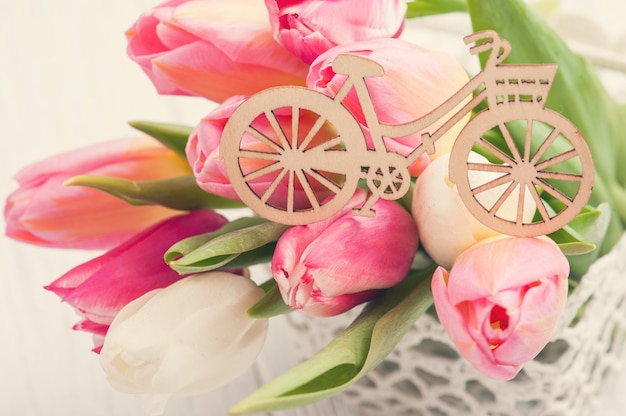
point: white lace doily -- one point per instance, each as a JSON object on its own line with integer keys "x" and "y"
{"x": 426, "y": 376}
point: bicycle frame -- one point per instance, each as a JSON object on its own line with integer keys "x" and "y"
{"x": 511, "y": 92}
{"x": 499, "y": 50}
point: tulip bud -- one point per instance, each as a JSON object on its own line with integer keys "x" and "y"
{"x": 416, "y": 81}
{"x": 212, "y": 49}
{"x": 186, "y": 339}
{"x": 101, "y": 287}
{"x": 309, "y": 28}
{"x": 446, "y": 228}
{"x": 44, "y": 212}
{"x": 501, "y": 301}
{"x": 327, "y": 267}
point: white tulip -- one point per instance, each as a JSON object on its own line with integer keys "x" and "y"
{"x": 185, "y": 339}
{"x": 446, "y": 228}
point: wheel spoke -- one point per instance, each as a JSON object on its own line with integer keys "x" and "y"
{"x": 328, "y": 144}
{"x": 539, "y": 204}
{"x": 545, "y": 145}
{"x": 278, "y": 129}
{"x": 520, "y": 204}
{"x": 554, "y": 192}
{"x": 505, "y": 195}
{"x": 312, "y": 132}
{"x": 327, "y": 183}
{"x": 254, "y": 154}
{"x": 557, "y": 159}
{"x": 559, "y": 176}
{"x": 489, "y": 167}
{"x": 262, "y": 172}
{"x": 295, "y": 126}
{"x": 492, "y": 184}
{"x": 270, "y": 189}
{"x": 496, "y": 152}
{"x": 509, "y": 142}
{"x": 290, "y": 192}
{"x": 528, "y": 139}
{"x": 264, "y": 139}
{"x": 308, "y": 190}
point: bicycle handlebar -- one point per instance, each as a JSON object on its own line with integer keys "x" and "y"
{"x": 499, "y": 48}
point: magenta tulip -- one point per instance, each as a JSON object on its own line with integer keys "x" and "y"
{"x": 310, "y": 27}
{"x": 101, "y": 287}
{"x": 44, "y": 212}
{"x": 501, "y": 301}
{"x": 211, "y": 48}
{"x": 328, "y": 267}
{"x": 416, "y": 81}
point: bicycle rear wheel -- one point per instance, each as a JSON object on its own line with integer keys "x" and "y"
{"x": 292, "y": 154}
{"x": 537, "y": 179}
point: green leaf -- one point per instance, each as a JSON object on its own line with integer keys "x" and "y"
{"x": 357, "y": 350}
{"x": 577, "y": 93}
{"x": 173, "y": 136}
{"x": 214, "y": 250}
{"x": 188, "y": 245}
{"x": 180, "y": 193}
{"x": 592, "y": 226}
{"x": 271, "y": 304}
{"x": 420, "y": 8}
{"x": 576, "y": 248}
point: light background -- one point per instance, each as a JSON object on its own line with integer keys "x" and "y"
{"x": 65, "y": 82}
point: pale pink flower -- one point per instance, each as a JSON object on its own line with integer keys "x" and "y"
{"x": 310, "y": 27}
{"x": 211, "y": 48}
{"x": 210, "y": 170}
{"x": 327, "y": 267}
{"x": 101, "y": 287}
{"x": 501, "y": 301}
{"x": 44, "y": 212}
{"x": 416, "y": 81}
{"x": 446, "y": 227}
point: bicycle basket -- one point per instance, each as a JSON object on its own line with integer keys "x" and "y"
{"x": 520, "y": 84}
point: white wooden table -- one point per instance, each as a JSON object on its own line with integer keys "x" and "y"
{"x": 65, "y": 81}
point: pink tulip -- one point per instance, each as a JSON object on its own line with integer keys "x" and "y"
{"x": 210, "y": 170}
{"x": 211, "y": 48}
{"x": 310, "y": 27}
{"x": 327, "y": 267}
{"x": 416, "y": 81}
{"x": 44, "y": 212}
{"x": 101, "y": 287}
{"x": 501, "y": 302}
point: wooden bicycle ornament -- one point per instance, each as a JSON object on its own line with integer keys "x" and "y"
{"x": 296, "y": 156}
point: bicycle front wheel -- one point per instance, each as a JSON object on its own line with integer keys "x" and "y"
{"x": 538, "y": 174}
{"x": 292, "y": 154}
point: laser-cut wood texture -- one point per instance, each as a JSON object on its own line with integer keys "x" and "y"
{"x": 296, "y": 156}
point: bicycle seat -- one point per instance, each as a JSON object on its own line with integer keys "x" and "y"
{"x": 354, "y": 65}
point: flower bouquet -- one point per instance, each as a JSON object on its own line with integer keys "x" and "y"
{"x": 165, "y": 205}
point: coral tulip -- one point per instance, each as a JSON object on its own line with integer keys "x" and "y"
{"x": 328, "y": 267}
{"x": 416, "y": 81}
{"x": 211, "y": 48}
{"x": 310, "y": 27}
{"x": 44, "y": 212}
{"x": 185, "y": 339}
{"x": 101, "y": 287}
{"x": 501, "y": 301}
